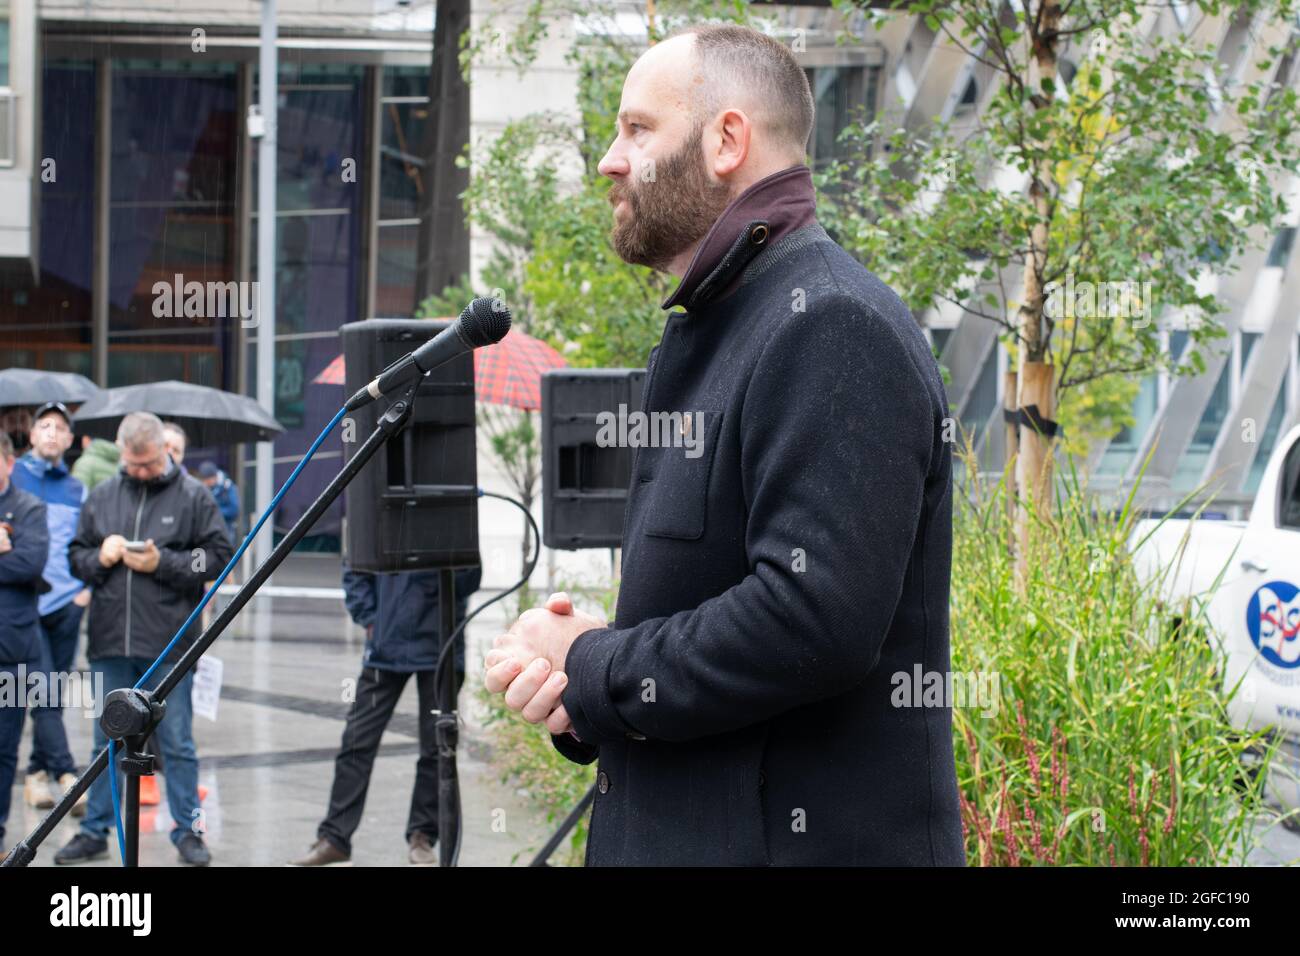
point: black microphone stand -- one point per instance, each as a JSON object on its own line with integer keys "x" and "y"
{"x": 130, "y": 715}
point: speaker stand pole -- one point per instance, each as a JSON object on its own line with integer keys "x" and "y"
{"x": 447, "y": 733}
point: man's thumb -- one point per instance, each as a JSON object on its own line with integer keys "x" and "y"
{"x": 559, "y": 603}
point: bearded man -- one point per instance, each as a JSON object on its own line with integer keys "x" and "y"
{"x": 742, "y": 704}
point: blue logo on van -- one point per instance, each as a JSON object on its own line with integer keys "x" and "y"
{"x": 1273, "y": 620}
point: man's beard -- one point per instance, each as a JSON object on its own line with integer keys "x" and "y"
{"x": 670, "y": 213}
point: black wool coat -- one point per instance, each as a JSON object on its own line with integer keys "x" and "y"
{"x": 740, "y": 703}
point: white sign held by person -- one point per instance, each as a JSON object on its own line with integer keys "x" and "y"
{"x": 207, "y": 687}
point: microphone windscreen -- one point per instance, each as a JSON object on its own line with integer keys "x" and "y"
{"x": 485, "y": 321}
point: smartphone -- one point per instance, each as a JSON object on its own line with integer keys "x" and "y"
{"x": 136, "y": 546}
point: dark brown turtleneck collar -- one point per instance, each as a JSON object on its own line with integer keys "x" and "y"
{"x": 759, "y": 217}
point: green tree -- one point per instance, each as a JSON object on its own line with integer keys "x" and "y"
{"x": 1143, "y": 160}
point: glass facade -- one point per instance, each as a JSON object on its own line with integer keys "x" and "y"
{"x": 172, "y": 212}
{"x": 4, "y": 44}
{"x": 1268, "y": 439}
{"x": 319, "y": 184}
{"x": 402, "y": 181}
{"x": 1191, "y": 466}
{"x": 45, "y": 321}
{"x": 1124, "y": 446}
{"x": 841, "y": 95}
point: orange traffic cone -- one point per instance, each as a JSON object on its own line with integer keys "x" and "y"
{"x": 149, "y": 791}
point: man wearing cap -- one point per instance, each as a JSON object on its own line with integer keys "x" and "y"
{"x": 226, "y": 494}
{"x": 41, "y": 472}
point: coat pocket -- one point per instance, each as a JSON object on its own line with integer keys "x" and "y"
{"x": 681, "y": 481}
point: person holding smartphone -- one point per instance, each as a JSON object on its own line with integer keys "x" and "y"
{"x": 147, "y": 541}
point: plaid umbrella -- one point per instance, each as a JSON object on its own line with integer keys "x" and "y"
{"x": 508, "y": 373}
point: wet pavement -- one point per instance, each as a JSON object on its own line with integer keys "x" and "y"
{"x": 268, "y": 760}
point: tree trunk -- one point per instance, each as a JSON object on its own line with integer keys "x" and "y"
{"x": 1034, "y": 376}
{"x": 1037, "y": 381}
{"x": 1010, "y": 396}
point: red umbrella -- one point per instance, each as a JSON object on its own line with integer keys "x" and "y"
{"x": 508, "y": 373}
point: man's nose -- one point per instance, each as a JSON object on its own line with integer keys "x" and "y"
{"x": 614, "y": 164}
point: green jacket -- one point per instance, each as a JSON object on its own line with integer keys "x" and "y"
{"x": 96, "y": 463}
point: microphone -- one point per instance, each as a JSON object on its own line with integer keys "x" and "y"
{"x": 483, "y": 322}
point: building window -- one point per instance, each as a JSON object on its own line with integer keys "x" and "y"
{"x": 7, "y": 106}
{"x": 4, "y": 44}
{"x": 1119, "y": 453}
{"x": 1268, "y": 440}
{"x": 1192, "y": 464}
{"x": 841, "y": 95}
{"x": 319, "y": 184}
{"x": 171, "y": 220}
{"x": 939, "y": 340}
{"x": 47, "y": 323}
{"x": 983, "y": 398}
{"x": 402, "y": 182}
{"x": 1279, "y": 254}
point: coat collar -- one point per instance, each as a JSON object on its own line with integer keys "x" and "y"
{"x": 40, "y": 468}
{"x": 761, "y": 215}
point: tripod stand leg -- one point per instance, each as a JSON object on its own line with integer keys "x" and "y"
{"x": 448, "y": 790}
{"x": 132, "y": 823}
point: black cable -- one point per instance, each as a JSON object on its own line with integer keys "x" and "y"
{"x": 451, "y": 643}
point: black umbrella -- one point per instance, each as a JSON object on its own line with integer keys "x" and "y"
{"x": 32, "y": 386}
{"x": 208, "y": 415}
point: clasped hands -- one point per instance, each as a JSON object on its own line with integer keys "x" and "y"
{"x": 526, "y": 663}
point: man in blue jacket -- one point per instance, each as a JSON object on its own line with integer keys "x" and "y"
{"x": 400, "y": 613}
{"x": 24, "y": 544}
{"x": 42, "y": 472}
{"x": 225, "y": 493}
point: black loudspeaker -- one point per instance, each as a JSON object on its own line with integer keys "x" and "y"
{"x": 584, "y": 486}
{"x": 415, "y": 505}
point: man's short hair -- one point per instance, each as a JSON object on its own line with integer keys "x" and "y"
{"x": 139, "y": 430}
{"x": 175, "y": 429}
{"x": 733, "y": 60}
{"x": 6, "y": 445}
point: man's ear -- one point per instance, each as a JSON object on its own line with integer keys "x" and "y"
{"x": 734, "y": 132}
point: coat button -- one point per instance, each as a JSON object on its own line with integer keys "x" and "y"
{"x": 762, "y": 780}
{"x": 602, "y": 782}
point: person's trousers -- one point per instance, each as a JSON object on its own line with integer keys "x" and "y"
{"x": 377, "y": 694}
{"x": 11, "y": 731}
{"x": 50, "y": 752}
{"x": 175, "y": 739}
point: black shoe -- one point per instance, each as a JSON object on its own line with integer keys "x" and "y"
{"x": 193, "y": 851}
{"x": 82, "y": 849}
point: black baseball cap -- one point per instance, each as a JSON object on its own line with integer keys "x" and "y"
{"x": 54, "y": 407}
